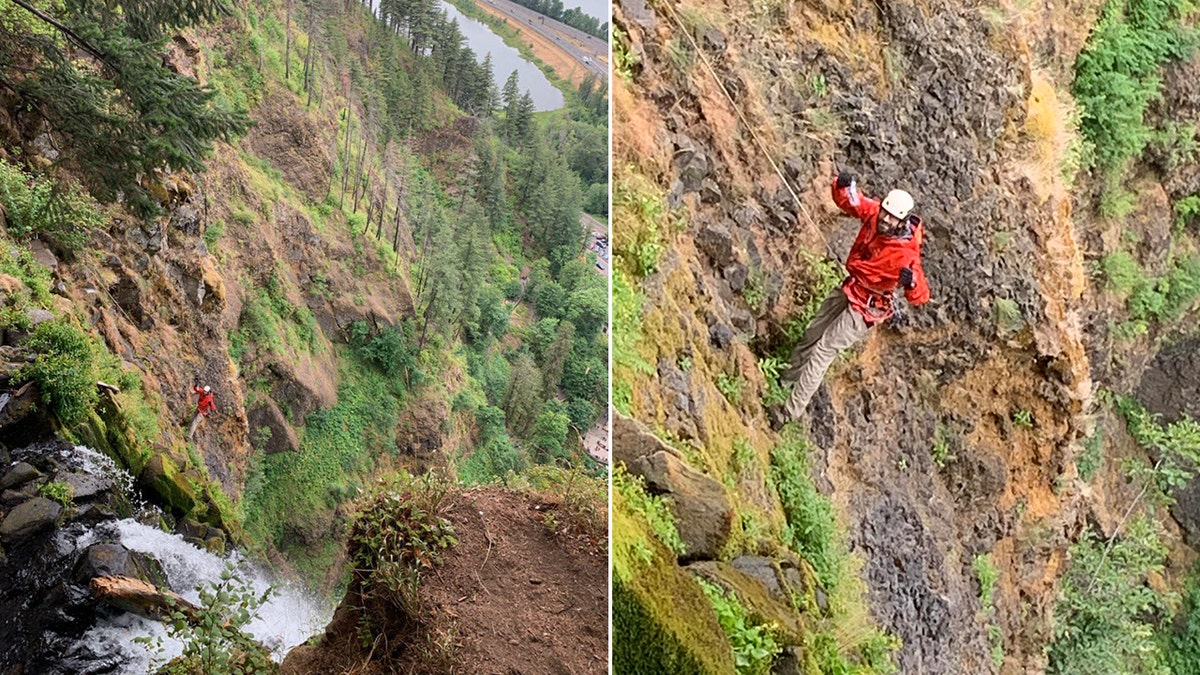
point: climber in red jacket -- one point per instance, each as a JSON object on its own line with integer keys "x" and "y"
{"x": 204, "y": 406}
{"x": 885, "y": 256}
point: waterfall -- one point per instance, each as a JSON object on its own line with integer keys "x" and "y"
{"x": 288, "y": 618}
{"x": 111, "y": 645}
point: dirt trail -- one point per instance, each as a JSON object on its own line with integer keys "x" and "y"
{"x": 519, "y": 594}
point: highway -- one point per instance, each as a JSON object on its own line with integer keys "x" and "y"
{"x": 589, "y": 51}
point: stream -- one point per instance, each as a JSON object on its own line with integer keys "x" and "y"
{"x": 100, "y": 639}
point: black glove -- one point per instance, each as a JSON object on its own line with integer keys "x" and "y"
{"x": 844, "y": 179}
{"x": 906, "y": 279}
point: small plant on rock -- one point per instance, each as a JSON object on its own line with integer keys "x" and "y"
{"x": 61, "y": 492}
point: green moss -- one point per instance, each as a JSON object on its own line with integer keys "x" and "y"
{"x": 163, "y": 477}
{"x": 662, "y": 621}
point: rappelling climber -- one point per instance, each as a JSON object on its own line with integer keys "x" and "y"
{"x": 885, "y": 256}
{"x": 204, "y": 406}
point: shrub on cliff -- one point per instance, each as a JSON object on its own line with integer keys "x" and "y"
{"x": 65, "y": 370}
{"x": 36, "y": 206}
{"x": 1117, "y": 74}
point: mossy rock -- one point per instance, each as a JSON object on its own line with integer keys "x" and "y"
{"x": 662, "y": 620}
{"x": 750, "y": 592}
{"x": 163, "y": 478}
{"x": 107, "y": 429}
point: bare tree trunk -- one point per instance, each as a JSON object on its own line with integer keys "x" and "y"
{"x": 362, "y": 156}
{"x": 347, "y": 160}
{"x": 287, "y": 45}
{"x": 333, "y": 162}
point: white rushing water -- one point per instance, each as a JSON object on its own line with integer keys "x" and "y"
{"x": 288, "y": 618}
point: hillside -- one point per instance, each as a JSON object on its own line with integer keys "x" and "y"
{"x": 330, "y": 218}
{"x": 979, "y": 486}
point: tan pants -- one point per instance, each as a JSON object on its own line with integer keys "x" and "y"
{"x": 195, "y": 425}
{"x": 835, "y": 327}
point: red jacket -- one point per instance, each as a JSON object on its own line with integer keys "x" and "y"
{"x": 205, "y": 405}
{"x": 875, "y": 260}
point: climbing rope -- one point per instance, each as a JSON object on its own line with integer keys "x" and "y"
{"x": 736, "y": 109}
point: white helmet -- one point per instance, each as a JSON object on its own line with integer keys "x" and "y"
{"x": 207, "y": 389}
{"x": 898, "y": 203}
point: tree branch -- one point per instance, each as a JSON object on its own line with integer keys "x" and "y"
{"x": 71, "y": 35}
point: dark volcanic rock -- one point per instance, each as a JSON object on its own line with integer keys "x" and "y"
{"x": 29, "y": 518}
{"x": 20, "y": 474}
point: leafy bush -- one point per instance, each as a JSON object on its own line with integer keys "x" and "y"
{"x": 811, "y": 527}
{"x": 1104, "y": 615}
{"x": 397, "y": 535}
{"x": 1117, "y": 73}
{"x": 65, "y": 369}
{"x": 653, "y": 509}
{"x": 58, "y": 491}
{"x": 393, "y": 351}
{"x": 214, "y": 636}
{"x": 754, "y": 645}
{"x": 1177, "y": 447}
{"x": 36, "y": 206}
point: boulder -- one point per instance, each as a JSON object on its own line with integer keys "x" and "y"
{"x": 162, "y": 477}
{"x": 702, "y": 513}
{"x": 84, "y": 486}
{"x": 631, "y": 440}
{"x": 716, "y": 240}
{"x": 110, "y": 559}
{"x": 20, "y": 474}
{"x": 28, "y": 518}
{"x": 269, "y": 429}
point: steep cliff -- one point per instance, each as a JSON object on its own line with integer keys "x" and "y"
{"x": 948, "y": 443}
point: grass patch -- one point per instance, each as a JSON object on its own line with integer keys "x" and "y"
{"x": 651, "y": 508}
{"x": 638, "y": 223}
{"x": 754, "y": 645}
{"x": 290, "y": 499}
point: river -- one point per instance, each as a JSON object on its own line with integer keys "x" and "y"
{"x": 505, "y": 59}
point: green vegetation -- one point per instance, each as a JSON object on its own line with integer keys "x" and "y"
{"x": 1117, "y": 74}
{"x": 651, "y": 508}
{"x": 1023, "y": 419}
{"x": 1091, "y": 458}
{"x": 987, "y": 575}
{"x": 754, "y": 645}
{"x": 812, "y": 532}
{"x": 397, "y": 535}
{"x": 107, "y": 91}
{"x": 1104, "y": 617}
{"x": 1109, "y": 619}
{"x": 290, "y": 501}
{"x": 1176, "y": 446}
{"x": 214, "y": 636}
{"x": 61, "y": 492}
{"x": 941, "y": 451}
{"x": 35, "y": 206}
{"x": 638, "y": 222}
{"x": 811, "y": 527}
{"x": 65, "y": 369}
{"x": 731, "y": 387}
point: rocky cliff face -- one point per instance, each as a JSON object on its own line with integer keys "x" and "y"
{"x": 950, "y": 435}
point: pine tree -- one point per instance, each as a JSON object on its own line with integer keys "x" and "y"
{"x": 97, "y": 76}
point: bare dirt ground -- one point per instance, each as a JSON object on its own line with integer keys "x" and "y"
{"x": 524, "y": 592}
{"x": 524, "y": 600}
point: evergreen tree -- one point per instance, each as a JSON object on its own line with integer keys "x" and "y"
{"x": 95, "y": 72}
